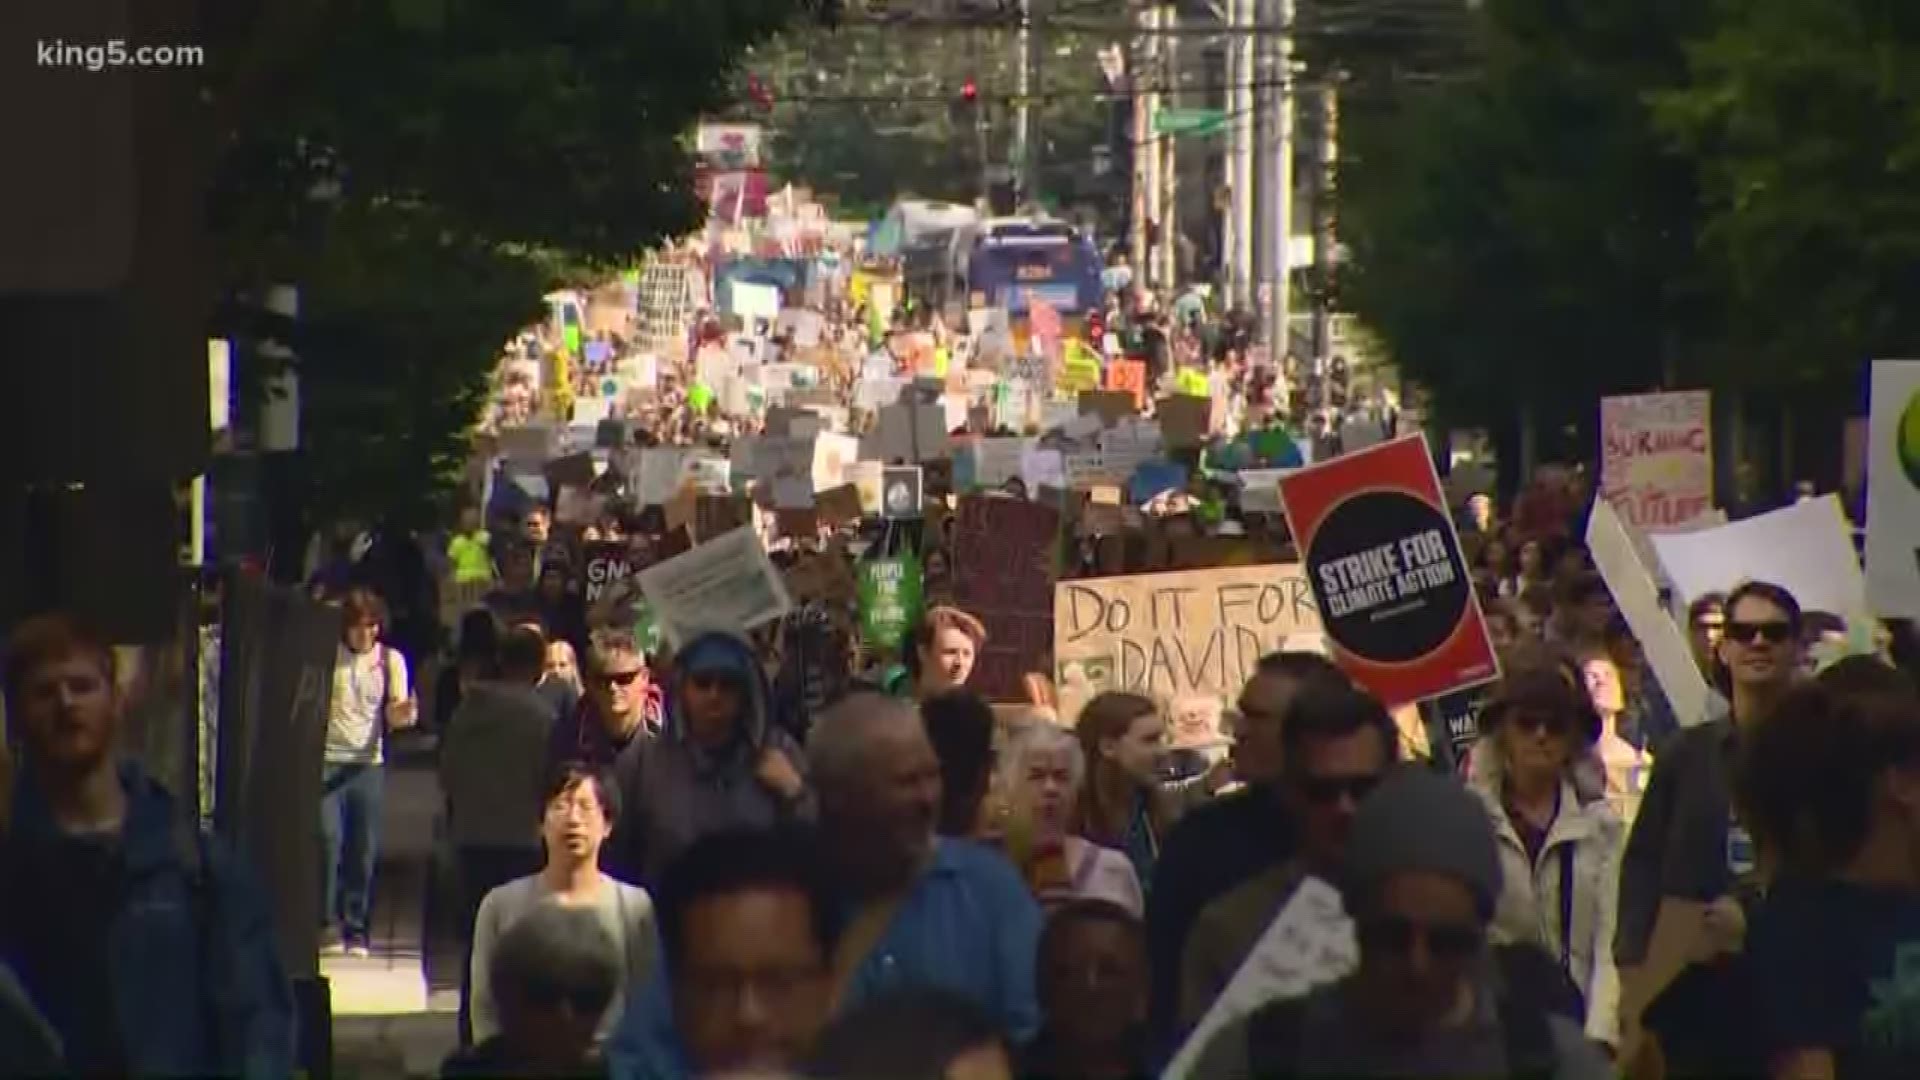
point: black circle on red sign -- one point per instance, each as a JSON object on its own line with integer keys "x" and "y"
{"x": 1379, "y": 622}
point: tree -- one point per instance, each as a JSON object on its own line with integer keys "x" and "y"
{"x": 424, "y": 169}
{"x": 1799, "y": 119}
{"x": 1521, "y": 236}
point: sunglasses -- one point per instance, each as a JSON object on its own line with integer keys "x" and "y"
{"x": 1747, "y": 633}
{"x": 1326, "y": 790}
{"x": 1394, "y": 934}
{"x": 1533, "y": 723}
{"x": 621, "y": 678}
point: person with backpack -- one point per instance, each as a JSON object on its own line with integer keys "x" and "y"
{"x": 371, "y": 697}
{"x": 1429, "y": 998}
{"x": 148, "y": 946}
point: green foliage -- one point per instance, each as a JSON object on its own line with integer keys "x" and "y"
{"x": 425, "y": 169}
{"x": 1523, "y": 234}
{"x": 1804, "y": 122}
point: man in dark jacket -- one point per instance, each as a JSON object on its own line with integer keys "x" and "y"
{"x": 717, "y": 763}
{"x": 148, "y": 946}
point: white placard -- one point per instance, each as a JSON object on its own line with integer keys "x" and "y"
{"x": 751, "y": 301}
{"x": 727, "y": 583}
{"x": 912, "y": 433}
{"x": 1806, "y": 548}
{"x": 996, "y": 461}
{"x": 1042, "y": 468}
{"x": 1260, "y": 490}
{"x": 1308, "y": 945}
{"x": 1893, "y": 492}
{"x": 874, "y": 394}
{"x": 1666, "y": 649}
{"x": 1657, "y": 458}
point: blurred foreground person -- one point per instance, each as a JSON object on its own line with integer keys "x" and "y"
{"x": 1092, "y": 972}
{"x": 917, "y": 1034}
{"x": 147, "y": 944}
{"x": 1421, "y": 881}
{"x": 553, "y": 976}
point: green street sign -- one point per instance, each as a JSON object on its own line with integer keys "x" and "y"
{"x": 1189, "y": 122}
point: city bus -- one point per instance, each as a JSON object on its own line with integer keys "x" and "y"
{"x": 1012, "y": 261}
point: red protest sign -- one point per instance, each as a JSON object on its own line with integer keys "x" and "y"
{"x": 1384, "y": 563}
{"x": 1131, "y": 376}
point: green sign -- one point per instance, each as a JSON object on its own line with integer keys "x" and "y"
{"x": 1189, "y": 122}
{"x": 889, "y": 596}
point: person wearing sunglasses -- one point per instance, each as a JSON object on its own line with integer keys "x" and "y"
{"x": 1337, "y": 743}
{"x": 1686, "y": 842}
{"x": 555, "y": 976}
{"x": 719, "y": 761}
{"x": 1430, "y": 996}
{"x": 609, "y": 726}
{"x": 1559, "y": 844}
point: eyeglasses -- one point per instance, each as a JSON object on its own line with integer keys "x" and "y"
{"x": 1395, "y": 934}
{"x": 620, "y": 678}
{"x": 1328, "y": 789}
{"x": 1748, "y": 633}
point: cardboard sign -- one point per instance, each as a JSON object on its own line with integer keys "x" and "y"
{"x": 605, "y": 565}
{"x": 717, "y": 514}
{"x": 1384, "y": 561}
{"x": 1657, "y": 458}
{"x": 1177, "y": 634}
{"x": 1129, "y": 376}
{"x": 1806, "y": 548}
{"x": 1003, "y": 574}
{"x": 838, "y": 506}
{"x": 902, "y": 494}
{"x": 866, "y": 477}
{"x": 1666, "y": 649}
{"x": 1185, "y": 422}
{"x": 1111, "y": 406}
{"x": 727, "y": 583}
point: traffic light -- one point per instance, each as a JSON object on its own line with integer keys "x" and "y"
{"x": 969, "y": 92}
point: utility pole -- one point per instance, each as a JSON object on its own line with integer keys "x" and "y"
{"x": 1276, "y": 94}
{"x": 1237, "y": 237}
{"x": 1170, "y": 162}
{"x": 1145, "y": 75}
{"x": 1326, "y": 155}
{"x": 1022, "y": 163}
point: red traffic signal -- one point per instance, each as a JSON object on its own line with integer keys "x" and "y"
{"x": 969, "y": 91}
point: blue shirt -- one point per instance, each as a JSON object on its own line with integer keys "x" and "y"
{"x": 970, "y": 925}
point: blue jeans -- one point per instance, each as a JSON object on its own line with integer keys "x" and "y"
{"x": 350, "y": 822}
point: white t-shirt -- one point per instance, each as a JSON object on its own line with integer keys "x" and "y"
{"x": 624, "y": 911}
{"x": 360, "y": 692}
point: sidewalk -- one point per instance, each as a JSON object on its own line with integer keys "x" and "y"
{"x": 390, "y": 1019}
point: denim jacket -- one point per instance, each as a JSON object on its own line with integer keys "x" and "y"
{"x": 198, "y": 987}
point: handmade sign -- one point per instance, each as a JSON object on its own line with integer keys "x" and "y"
{"x": 1176, "y": 634}
{"x": 1387, "y": 573}
{"x": 1657, "y": 458}
{"x": 1003, "y": 574}
{"x": 727, "y": 583}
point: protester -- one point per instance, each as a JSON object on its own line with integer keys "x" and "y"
{"x": 1338, "y": 744}
{"x": 1042, "y": 773}
{"x": 469, "y": 550}
{"x": 1830, "y": 790}
{"x": 940, "y": 653}
{"x": 516, "y": 596}
{"x": 371, "y": 698}
{"x": 476, "y": 658}
{"x": 747, "y": 921}
{"x": 1624, "y": 766}
{"x": 1092, "y": 974}
{"x": 560, "y": 681}
{"x": 1421, "y": 881}
{"x": 611, "y": 725}
{"x": 913, "y": 1034}
{"x": 562, "y": 613}
{"x": 1559, "y": 849}
{"x": 146, "y": 944}
{"x": 1706, "y": 625}
{"x": 493, "y": 772}
{"x": 1223, "y": 843}
{"x": 553, "y": 977}
{"x": 1124, "y": 803}
{"x": 961, "y": 725}
{"x": 719, "y": 763}
{"x": 578, "y": 812}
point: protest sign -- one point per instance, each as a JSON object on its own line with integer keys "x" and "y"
{"x": 901, "y": 495}
{"x": 1657, "y": 458}
{"x": 1309, "y": 944}
{"x": 1185, "y": 421}
{"x": 1893, "y": 489}
{"x": 605, "y": 565}
{"x": 1111, "y": 406}
{"x": 839, "y": 505}
{"x": 890, "y": 600}
{"x": 1634, "y": 593}
{"x": 727, "y": 583}
{"x": 1260, "y": 490}
{"x": 988, "y": 463}
{"x": 1387, "y": 572}
{"x": 1003, "y": 574}
{"x": 1129, "y": 376}
{"x": 658, "y": 474}
{"x": 866, "y": 477}
{"x": 531, "y": 444}
{"x": 1806, "y": 548}
{"x": 751, "y": 300}
{"x": 1168, "y": 635}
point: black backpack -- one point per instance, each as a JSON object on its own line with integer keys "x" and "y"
{"x": 1531, "y": 990}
